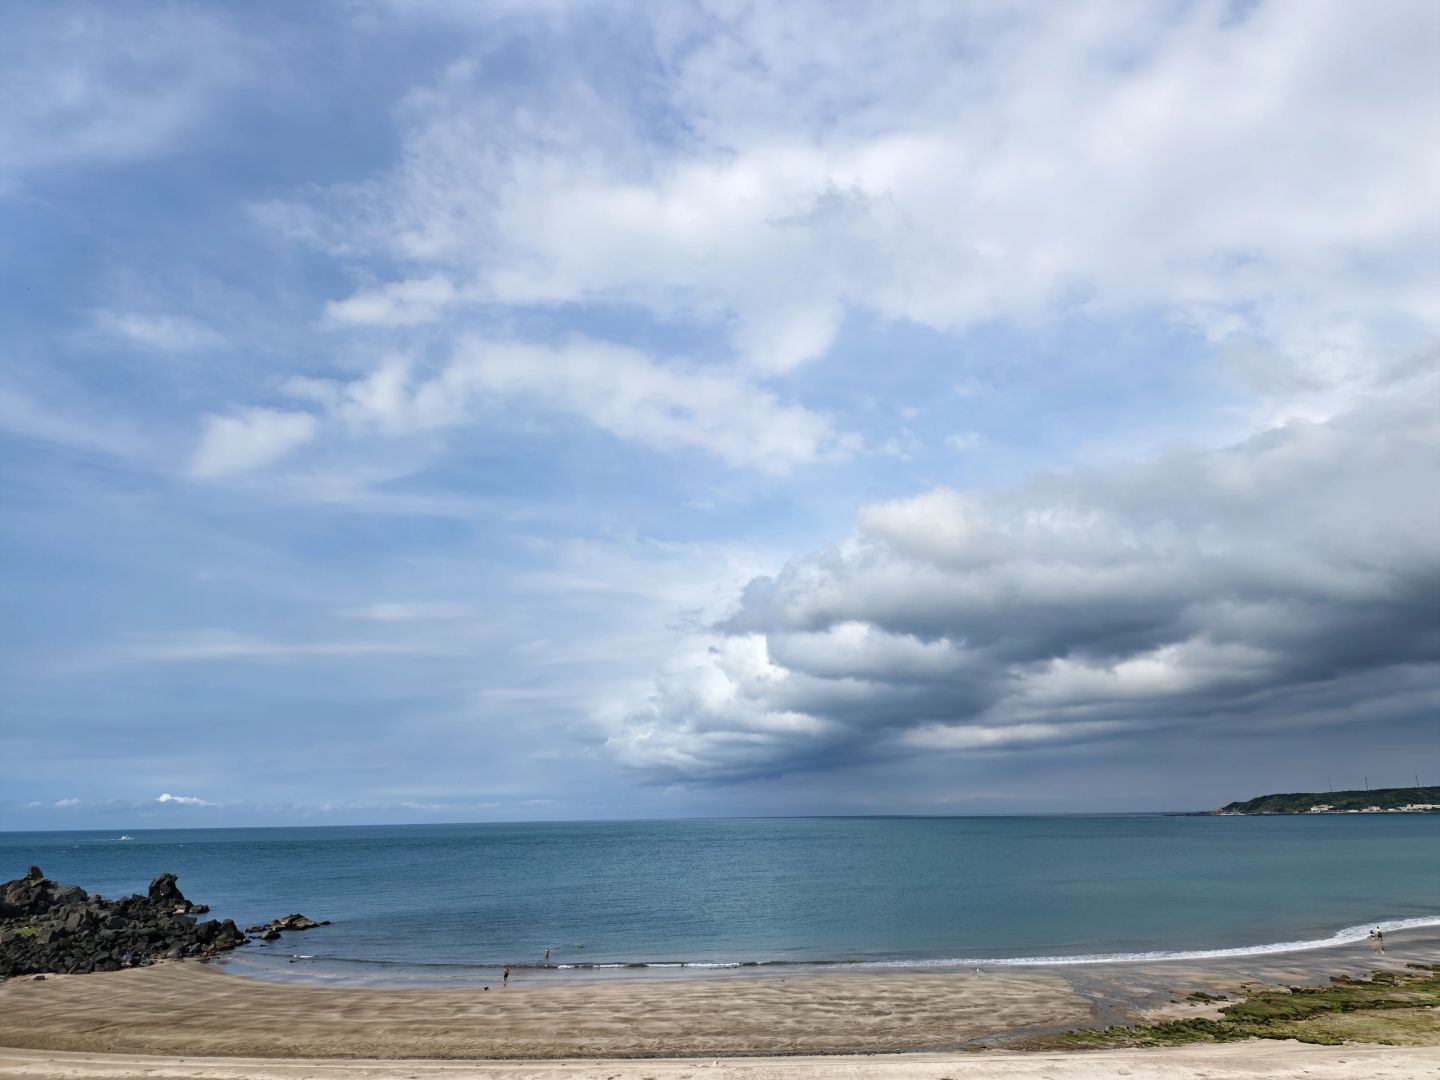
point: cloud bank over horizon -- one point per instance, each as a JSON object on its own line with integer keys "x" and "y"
{"x": 588, "y": 410}
{"x": 1289, "y": 581}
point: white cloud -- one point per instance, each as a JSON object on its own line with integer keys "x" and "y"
{"x": 1249, "y": 175}
{"x": 668, "y": 407}
{"x": 619, "y": 390}
{"x": 167, "y": 333}
{"x": 62, "y": 803}
{"x": 250, "y": 439}
{"x": 398, "y": 303}
{"x": 1243, "y": 176}
{"x": 182, "y": 800}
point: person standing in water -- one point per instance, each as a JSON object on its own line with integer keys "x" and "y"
{"x": 505, "y": 976}
{"x": 547, "y": 952}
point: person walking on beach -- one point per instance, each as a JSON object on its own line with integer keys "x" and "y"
{"x": 505, "y": 976}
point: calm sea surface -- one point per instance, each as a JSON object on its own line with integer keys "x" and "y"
{"x": 442, "y": 902}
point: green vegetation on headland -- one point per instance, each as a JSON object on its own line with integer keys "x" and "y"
{"x": 1390, "y": 1007}
{"x": 1415, "y": 800}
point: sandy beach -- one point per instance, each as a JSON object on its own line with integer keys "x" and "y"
{"x": 195, "y": 1020}
{"x": 193, "y": 1009}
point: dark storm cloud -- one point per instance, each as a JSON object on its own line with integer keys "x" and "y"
{"x": 1289, "y": 581}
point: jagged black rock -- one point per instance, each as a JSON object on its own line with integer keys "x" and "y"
{"x": 46, "y": 927}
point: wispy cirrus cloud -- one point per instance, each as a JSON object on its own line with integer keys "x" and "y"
{"x": 24, "y": 415}
{"x": 91, "y": 94}
{"x": 622, "y": 391}
{"x": 164, "y": 333}
{"x": 413, "y": 611}
{"x": 214, "y": 646}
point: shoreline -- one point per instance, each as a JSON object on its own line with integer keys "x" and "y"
{"x": 198, "y": 1010}
{"x": 275, "y": 963}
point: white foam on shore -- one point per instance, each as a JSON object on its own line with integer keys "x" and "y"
{"x": 1348, "y": 936}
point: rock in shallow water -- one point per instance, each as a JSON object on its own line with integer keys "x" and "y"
{"x": 271, "y": 930}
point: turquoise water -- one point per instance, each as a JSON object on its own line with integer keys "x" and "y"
{"x": 439, "y": 902}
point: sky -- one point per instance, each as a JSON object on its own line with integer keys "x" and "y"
{"x": 447, "y": 411}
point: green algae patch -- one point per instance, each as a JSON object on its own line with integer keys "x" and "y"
{"x": 1395, "y": 1027}
{"x": 1389, "y": 1007}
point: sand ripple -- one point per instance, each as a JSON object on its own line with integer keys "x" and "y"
{"x": 192, "y": 1009}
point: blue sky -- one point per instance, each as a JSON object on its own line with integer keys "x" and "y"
{"x": 441, "y": 411}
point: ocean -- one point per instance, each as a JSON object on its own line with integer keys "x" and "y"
{"x": 424, "y": 904}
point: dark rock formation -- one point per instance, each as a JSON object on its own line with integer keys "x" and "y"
{"x": 48, "y": 927}
{"x": 294, "y": 922}
{"x": 271, "y": 930}
{"x": 164, "y": 893}
{"x": 34, "y": 894}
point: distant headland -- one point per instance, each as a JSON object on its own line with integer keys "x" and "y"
{"x": 1407, "y": 800}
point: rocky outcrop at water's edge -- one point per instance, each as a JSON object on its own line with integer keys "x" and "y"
{"x": 46, "y": 927}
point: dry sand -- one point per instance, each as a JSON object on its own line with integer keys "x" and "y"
{"x": 1234, "y": 1061}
